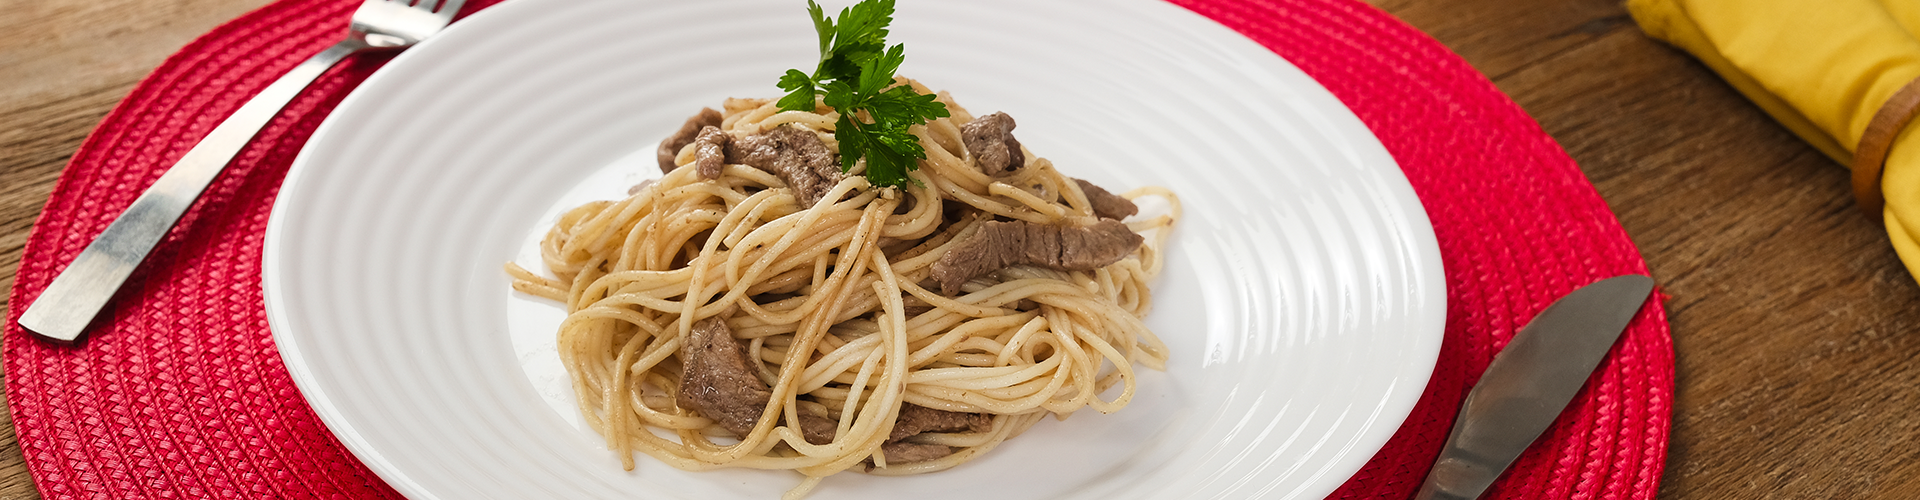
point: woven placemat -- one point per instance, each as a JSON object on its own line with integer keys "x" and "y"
{"x": 178, "y": 391}
{"x": 1518, "y": 225}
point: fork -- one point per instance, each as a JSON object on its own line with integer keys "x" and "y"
{"x": 76, "y": 296}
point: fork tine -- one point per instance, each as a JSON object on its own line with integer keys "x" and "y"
{"x": 447, "y": 7}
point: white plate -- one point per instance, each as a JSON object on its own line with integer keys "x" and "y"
{"x": 1303, "y": 297}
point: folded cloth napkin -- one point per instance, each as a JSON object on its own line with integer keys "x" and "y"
{"x": 1839, "y": 73}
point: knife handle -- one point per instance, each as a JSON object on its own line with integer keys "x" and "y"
{"x": 1529, "y": 383}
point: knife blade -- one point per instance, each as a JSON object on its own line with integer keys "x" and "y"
{"x": 1530, "y": 382}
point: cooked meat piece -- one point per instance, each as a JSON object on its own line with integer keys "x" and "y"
{"x": 990, "y": 139}
{"x": 1107, "y": 205}
{"x": 905, "y": 453}
{"x": 915, "y": 419}
{"x": 718, "y": 381}
{"x": 794, "y": 154}
{"x": 720, "y": 384}
{"x": 670, "y": 148}
{"x": 1000, "y": 244}
{"x": 710, "y": 152}
{"x": 818, "y": 430}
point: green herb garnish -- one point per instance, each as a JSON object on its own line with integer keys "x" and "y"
{"x": 856, "y": 68}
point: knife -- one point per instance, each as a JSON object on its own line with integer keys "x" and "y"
{"x": 1528, "y": 384}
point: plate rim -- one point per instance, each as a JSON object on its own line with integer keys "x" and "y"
{"x": 1397, "y": 407}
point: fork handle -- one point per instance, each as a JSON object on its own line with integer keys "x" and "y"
{"x": 63, "y": 311}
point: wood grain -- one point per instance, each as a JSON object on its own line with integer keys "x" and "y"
{"x": 1794, "y": 323}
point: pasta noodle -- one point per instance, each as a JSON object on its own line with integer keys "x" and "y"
{"x": 834, "y": 304}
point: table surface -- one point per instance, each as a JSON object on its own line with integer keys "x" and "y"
{"x": 1793, "y": 321}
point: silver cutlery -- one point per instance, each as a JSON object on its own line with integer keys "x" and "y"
{"x": 1530, "y": 382}
{"x": 64, "y": 309}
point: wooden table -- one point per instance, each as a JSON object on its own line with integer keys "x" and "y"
{"x": 1797, "y": 328}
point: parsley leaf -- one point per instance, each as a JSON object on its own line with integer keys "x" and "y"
{"x": 855, "y": 77}
{"x": 822, "y": 25}
{"x": 800, "y": 90}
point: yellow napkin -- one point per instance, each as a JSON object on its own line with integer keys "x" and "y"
{"x": 1823, "y": 68}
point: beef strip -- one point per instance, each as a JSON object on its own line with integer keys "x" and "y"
{"x": 818, "y": 430}
{"x": 1107, "y": 205}
{"x": 1000, "y": 244}
{"x": 990, "y": 139}
{"x": 916, "y": 419}
{"x": 795, "y": 155}
{"x": 670, "y": 148}
{"x": 902, "y": 452}
{"x": 719, "y": 383}
{"x": 710, "y": 152}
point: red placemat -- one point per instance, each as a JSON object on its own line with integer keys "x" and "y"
{"x": 179, "y": 392}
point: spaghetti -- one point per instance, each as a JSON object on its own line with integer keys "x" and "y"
{"x": 834, "y": 307}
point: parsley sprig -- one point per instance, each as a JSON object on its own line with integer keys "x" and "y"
{"x": 855, "y": 77}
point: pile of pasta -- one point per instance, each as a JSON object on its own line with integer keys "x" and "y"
{"x": 833, "y": 304}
